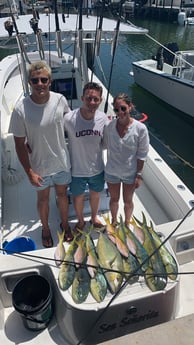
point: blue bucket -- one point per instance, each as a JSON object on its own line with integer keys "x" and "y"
{"x": 20, "y": 244}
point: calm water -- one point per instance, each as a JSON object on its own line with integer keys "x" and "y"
{"x": 172, "y": 134}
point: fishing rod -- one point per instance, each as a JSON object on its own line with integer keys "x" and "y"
{"x": 99, "y": 30}
{"x": 98, "y": 37}
{"x": 58, "y": 31}
{"x": 34, "y": 25}
{"x": 81, "y": 61}
{"x": 80, "y": 31}
{"x": 114, "y": 46}
{"x": 22, "y": 52}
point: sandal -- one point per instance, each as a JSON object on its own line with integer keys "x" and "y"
{"x": 115, "y": 224}
{"x": 47, "y": 240}
{"x": 68, "y": 236}
{"x": 97, "y": 225}
{"x": 77, "y": 228}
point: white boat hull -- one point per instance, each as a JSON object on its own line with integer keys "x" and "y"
{"x": 174, "y": 91}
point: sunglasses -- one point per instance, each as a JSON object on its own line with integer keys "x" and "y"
{"x": 36, "y": 80}
{"x": 116, "y": 110}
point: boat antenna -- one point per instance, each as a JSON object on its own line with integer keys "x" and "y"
{"x": 58, "y": 31}
{"x": 23, "y": 54}
{"x": 114, "y": 46}
{"x": 98, "y": 36}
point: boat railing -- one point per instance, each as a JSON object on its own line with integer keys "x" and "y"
{"x": 184, "y": 65}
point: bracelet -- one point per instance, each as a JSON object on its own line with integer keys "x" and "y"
{"x": 139, "y": 175}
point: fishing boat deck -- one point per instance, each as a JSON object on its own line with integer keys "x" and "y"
{"x": 20, "y": 222}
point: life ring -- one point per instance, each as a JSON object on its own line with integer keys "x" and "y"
{"x": 144, "y": 117}
{"x": 141, "y": 117}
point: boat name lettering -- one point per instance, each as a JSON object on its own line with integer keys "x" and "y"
{"x": 87, "y": 132}
{"x": 127, "y": 320}
{"x": 138, "y": 318}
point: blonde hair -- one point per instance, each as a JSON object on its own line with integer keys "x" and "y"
{"x": 37, "y": 66}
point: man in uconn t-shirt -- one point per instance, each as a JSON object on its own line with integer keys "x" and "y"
{"x": 85, "y": 127}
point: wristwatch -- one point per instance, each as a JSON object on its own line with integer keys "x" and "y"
{"x": 139, "y": 175}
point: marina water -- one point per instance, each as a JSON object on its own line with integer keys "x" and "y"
{"x": 171, "y": 132}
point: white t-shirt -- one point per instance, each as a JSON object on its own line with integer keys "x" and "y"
{"x": 85, "y": 142}
{"x": 123, "y": 153}
{"x": 43, "y": 127}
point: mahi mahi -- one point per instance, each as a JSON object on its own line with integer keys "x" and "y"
{"x": 155, "y": 275}
{"x": 81, "y": 285}
{"x": 111, "y": 262}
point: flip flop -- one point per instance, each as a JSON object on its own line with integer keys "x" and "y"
{"x": 68, "y": 236}
{"x": 47, "y": 240}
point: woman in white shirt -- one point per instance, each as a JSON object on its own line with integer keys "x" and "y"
{"x": 127, "y": 142}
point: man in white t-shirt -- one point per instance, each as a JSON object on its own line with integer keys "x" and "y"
{"x": 85, "y": 128}
{"x": 38, "y": 120}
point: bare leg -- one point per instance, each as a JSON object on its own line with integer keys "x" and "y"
{"x": 43, "y": 207}
{"x": 78, "y": 202}
{"x": 61, "y": 192}
{"x": 114, "y": 190}
{"x": 128, "y": 191}
{"x": 43, "y": 210}
{"x": 94, "y": 204}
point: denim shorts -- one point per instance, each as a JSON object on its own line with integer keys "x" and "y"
{"x": 60, "y": 178}
{"x": 117, "y": 179}
{"x": 79, "y": 184}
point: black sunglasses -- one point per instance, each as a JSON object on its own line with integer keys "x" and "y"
{"x": 116, "y": 110}
{"x": 36, "y": 80}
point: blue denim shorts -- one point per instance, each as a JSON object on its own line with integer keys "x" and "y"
{"x": 79, "y": 184}
{"x": 117, "y": 179}
{"x": 60, "y": 178}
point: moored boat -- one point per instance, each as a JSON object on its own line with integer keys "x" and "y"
{"x": 168, "y": 76}
{"x": 163, "y": 199}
